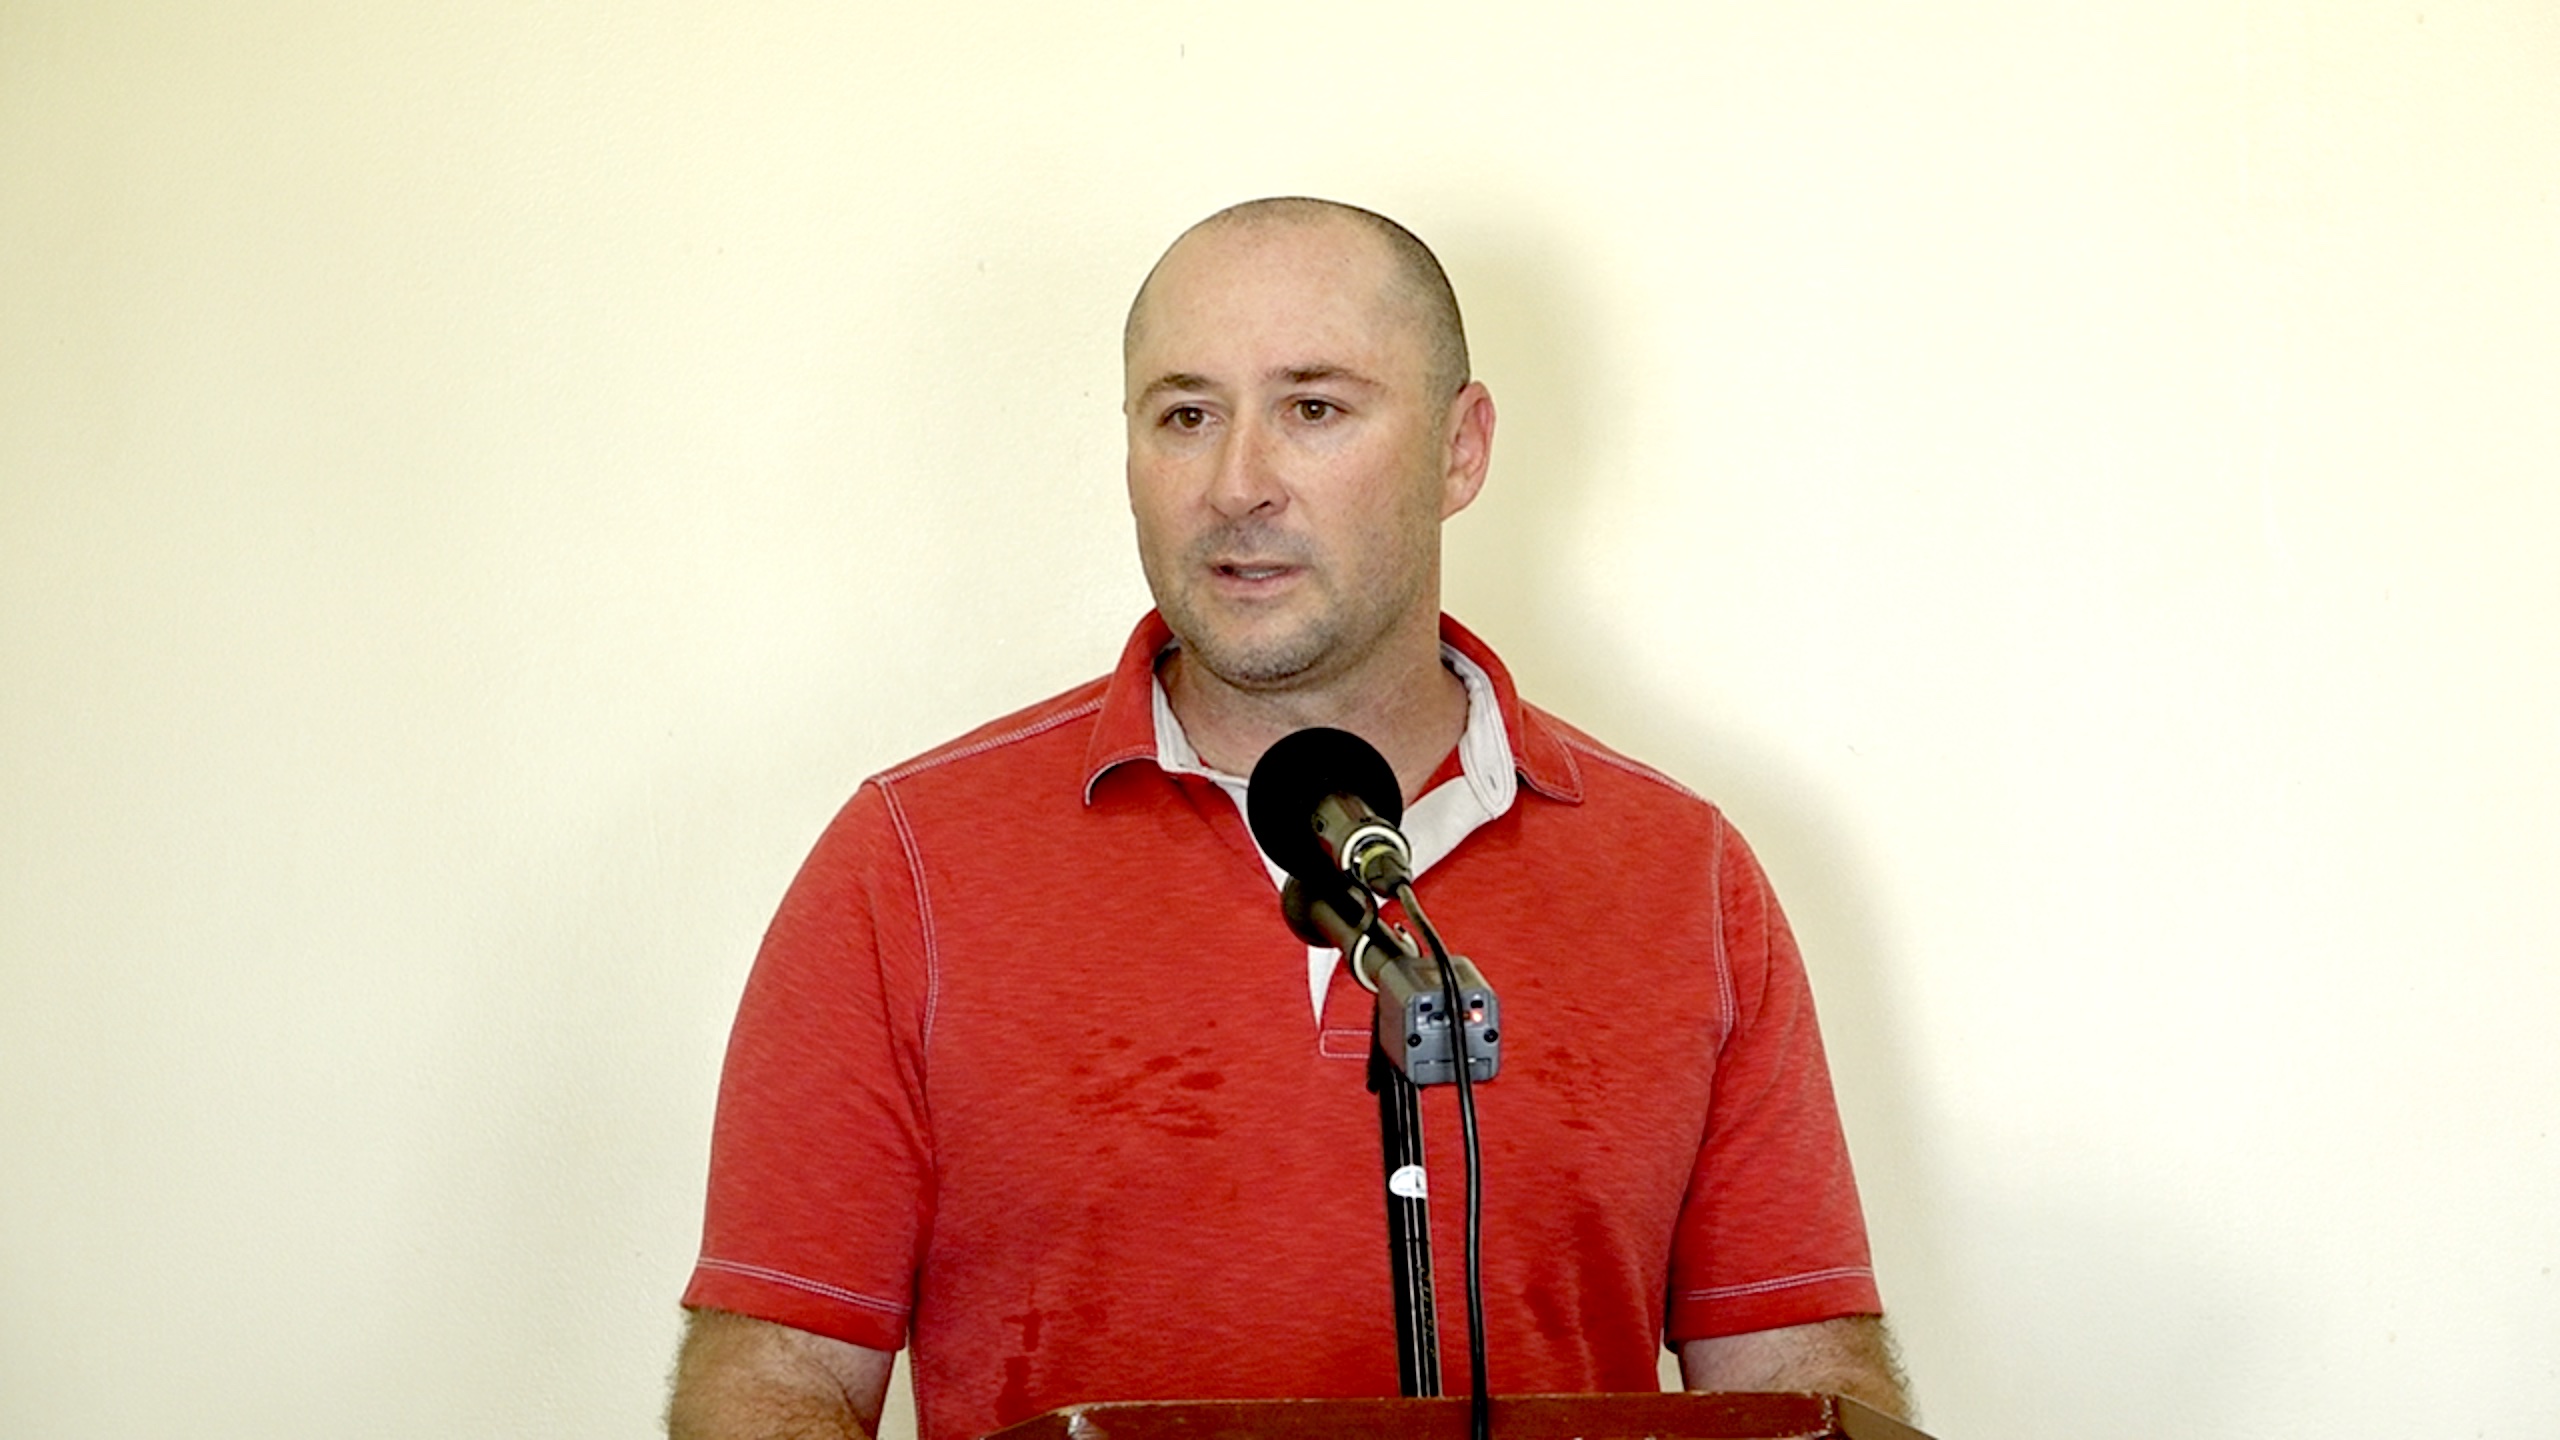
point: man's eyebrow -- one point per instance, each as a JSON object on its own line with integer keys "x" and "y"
{"x": 1319, "y": 374}
{"x": 1314, "y": 373}
{"x": 1179, "y": 380}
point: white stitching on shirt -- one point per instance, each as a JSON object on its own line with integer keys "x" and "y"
{"x": 1354, "y": 1043}
{"x": 924, "y": 910}
{"x": 933, "y": 973}
{"x": 1632, "y": 767}
{"x": 992, "y": 742}
{"x": 907, "y": 836}
{"x": 796, "y": 1282}
{"x": 1763, "y": 1287}
{"x": 1723, "y": 962}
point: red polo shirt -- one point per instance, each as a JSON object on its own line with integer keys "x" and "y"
{"x": 1025, "y": 1076}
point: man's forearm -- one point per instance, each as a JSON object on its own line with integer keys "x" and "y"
{"x": 1852, "y": 1356}
{"x": 695, "y": 1416}
{"x": 744, "y": 1379}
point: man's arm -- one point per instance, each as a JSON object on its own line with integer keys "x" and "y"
{"x": 743, "y": 1379}
{"x": 1851, "y": 1356}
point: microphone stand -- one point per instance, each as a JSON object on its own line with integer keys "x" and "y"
{"x": 1323, "y": 806}
{"x": 1408, "y": 1223}
{"x": 1435, "y": 1022}
{"x": 1471, "y": 1006}
{"x": 1385, "y": 962}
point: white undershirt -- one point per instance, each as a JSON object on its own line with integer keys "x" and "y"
{"x": 1433, "y": 825}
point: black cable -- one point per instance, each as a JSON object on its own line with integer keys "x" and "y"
{"x": 1480, "y": 1404}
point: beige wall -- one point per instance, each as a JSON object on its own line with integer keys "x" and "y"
{"x": 480, "y": 482}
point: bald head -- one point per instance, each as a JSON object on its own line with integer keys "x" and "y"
{"x": 1417, "y": 285}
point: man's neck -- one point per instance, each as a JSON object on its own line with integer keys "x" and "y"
{"x": 1407, "y": 704}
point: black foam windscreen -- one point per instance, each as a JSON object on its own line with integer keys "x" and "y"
{"x": 1300, "y": 772}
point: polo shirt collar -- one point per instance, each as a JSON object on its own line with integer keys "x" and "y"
{"x": 1433, "y": 824}
{"x": 1504, "y": 743}
{"x": 1126, "y": 729}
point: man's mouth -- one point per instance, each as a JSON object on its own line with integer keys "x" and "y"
{"x": 1253, "y": 570}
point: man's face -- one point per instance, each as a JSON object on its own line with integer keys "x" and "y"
{"x": 1289, "y": 461}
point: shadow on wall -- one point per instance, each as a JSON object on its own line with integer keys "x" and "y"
{"x": 1529, "y": 348}
{"x": 2185, "y": 1326}
{"x": 1507, "y": 580}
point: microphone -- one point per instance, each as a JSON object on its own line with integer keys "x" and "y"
{"x": 1323, "y": 804}
{"x": 1340, "y": 915}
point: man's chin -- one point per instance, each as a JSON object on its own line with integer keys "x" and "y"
{"x": 1256, "y": 670}
{"x": 1259, "y": 663}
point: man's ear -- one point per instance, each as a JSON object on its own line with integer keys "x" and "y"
{"x": 1470, "y": 447}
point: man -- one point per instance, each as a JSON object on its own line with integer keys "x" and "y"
{"x": 1032, "y": 1078}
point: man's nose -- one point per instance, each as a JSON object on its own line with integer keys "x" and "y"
{"x": 1248, "y": 474}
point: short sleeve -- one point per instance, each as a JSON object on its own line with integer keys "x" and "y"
{"x": 1771, "y": 1233}
{"x": 821, "y": 1168}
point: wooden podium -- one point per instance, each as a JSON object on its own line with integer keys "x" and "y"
{"x": 1729, "y": 1416}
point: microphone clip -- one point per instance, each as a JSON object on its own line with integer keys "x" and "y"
{"x": 1414, "y": 1025}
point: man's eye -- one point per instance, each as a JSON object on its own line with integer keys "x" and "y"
{"x": 1316, "y": 412}
{"x": 1185, "y": 417}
